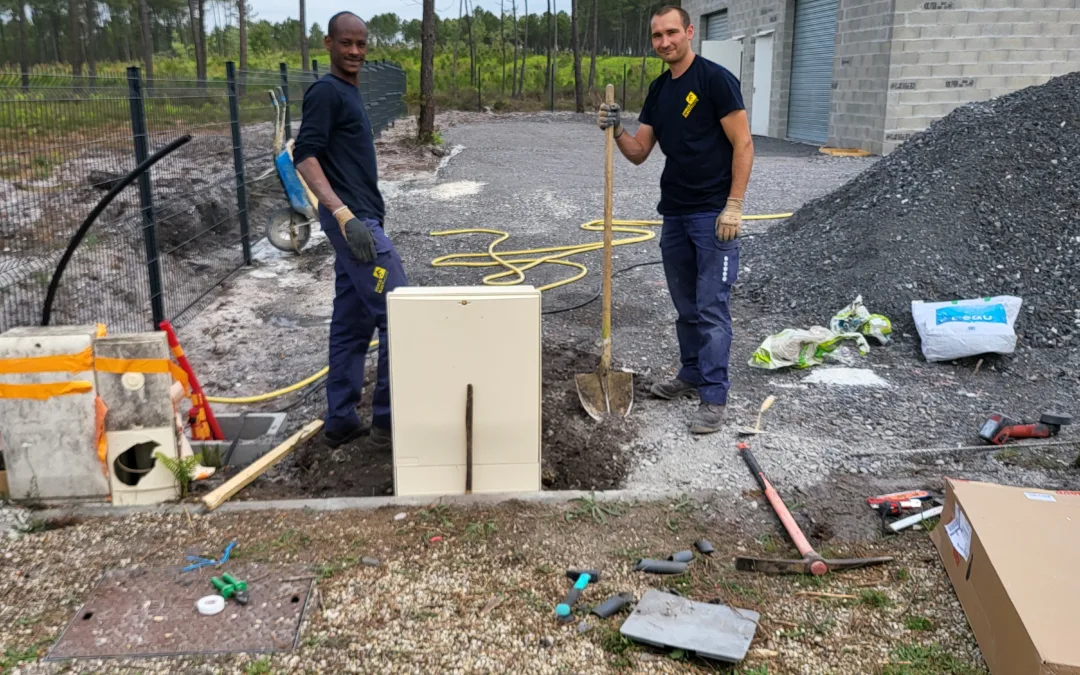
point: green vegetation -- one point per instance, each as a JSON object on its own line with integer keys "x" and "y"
{"x": 926, "y": 660}
{"x": 918, "y": 623}
{"x": 874, "y": 598}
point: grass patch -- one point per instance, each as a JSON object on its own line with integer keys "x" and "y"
{"x": 745, "y": 592}
{"x": 1007, "y": 456}
{"x": 901, "y": 574}
{"x": 260, "y": 667}
{"x": 292, "y": 541}
{"x": 918, "y": 623}
{"x": 926, "y": 660}
{"x": 11, "y": 658}
{"x": 615, "y": 643}
{"x": 589, "y": 507}
{"x": 480, "y": 530}
{"x": 874, "y": 598}
{"x": 756, "y": 670}
{"x": 436, "y": 514}
{"x": 767, "y": 542}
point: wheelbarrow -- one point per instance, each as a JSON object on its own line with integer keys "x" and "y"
{"x": 289, "y": 227}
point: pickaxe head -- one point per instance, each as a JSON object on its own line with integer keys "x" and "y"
{"x": 815, "y": 565}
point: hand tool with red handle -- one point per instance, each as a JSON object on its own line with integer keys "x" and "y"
{"x": 999, "y": 429}
{"x": 812, "y": 562}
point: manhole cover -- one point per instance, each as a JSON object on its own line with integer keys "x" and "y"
{"x": 151, "y": 612}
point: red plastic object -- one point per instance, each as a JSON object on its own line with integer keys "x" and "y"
{"x": 204, "y": 426}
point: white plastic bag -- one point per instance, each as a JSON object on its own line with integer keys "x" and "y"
{"x": 802, "y": 348}
{"x": 856, "y": 318}
{"x": 959, "y": 328}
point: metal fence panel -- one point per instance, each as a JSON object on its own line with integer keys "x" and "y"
{"x": 64, "y": 141}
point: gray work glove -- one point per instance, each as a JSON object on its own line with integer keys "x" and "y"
{"x": 357, "y": 235}
{"x": 608, "y": 117}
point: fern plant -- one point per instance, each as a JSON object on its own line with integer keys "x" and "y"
{"x": 182, "y": 469}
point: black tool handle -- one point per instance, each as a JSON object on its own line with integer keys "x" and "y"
{"x": 752, "y": 462}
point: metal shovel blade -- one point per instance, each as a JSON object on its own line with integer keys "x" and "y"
{"x": 605, "y": 394}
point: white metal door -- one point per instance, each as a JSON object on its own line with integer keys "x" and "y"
{"x": 727, "y": 53}
{"x": 759, "y": 102}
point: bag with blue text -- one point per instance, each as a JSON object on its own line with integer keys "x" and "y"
{"x": 959, "y": 328}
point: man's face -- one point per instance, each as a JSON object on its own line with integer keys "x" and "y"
{"x": 669, "y": 38}
{"x": 348, "y": 46}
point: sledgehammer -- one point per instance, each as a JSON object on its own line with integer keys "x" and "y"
{"x": 812, "y": 562}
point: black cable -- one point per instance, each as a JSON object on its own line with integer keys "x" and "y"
{"x": 600, "y": 290}
{"x": 127, "y": 180}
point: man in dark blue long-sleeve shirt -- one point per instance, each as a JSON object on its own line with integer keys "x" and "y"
{"x": 335, "y": 153}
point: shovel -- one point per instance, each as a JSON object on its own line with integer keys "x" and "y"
{"x": 606, "y": 392}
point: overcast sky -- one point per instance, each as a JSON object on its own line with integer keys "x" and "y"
{"x": 320, "y": 11}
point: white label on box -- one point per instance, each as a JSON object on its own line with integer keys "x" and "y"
{"x": 1039, "y": 497}
{"x": 960, "y": 533}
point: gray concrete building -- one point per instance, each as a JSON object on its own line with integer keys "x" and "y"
{"x": 869, "y": 74}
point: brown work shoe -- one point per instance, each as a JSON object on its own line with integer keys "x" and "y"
{"x": 672, "y": 389}
{"x": 708, "y": 419}
{"x": 381, "y": 440}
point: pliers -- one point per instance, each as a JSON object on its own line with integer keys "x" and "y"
{"x": 199, "y": 561}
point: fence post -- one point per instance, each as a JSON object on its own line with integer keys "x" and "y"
{"x": 554, "y": 70}
{"x": 146, "y": 195}
{"x": 315, "y": 68}
{"x": 479, "y": 92}
{"x": 238, "y": 160}
{"x": 285, "y": 92}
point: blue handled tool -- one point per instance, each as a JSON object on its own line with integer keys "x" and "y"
{"x": 199, "y": 561}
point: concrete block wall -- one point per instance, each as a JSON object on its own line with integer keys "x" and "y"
{"x": 861, "y": 74}
{"x": 946, "y": 53}
{"x": 747, "y": 18}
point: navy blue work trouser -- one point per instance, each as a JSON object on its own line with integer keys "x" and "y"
{"x": 700, "y": 271}
{"x": 359, "y": 309}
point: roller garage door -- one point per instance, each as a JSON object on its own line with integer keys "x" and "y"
{"x": 812, "y": 70}
{"x": 716, "y": 26}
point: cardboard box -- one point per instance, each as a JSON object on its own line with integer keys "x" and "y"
{"x": 1011, "y": 554}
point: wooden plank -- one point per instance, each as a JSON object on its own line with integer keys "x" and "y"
{"x": 3, "y": 485}
{"x": 238, "y": 482}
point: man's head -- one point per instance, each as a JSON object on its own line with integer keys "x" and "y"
{"x": 671, "y": 33}
{"x": 346, "y": 40}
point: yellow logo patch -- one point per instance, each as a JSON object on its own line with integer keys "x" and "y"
{"x": 380, "y": 274}
{"x": 691, "y": 101}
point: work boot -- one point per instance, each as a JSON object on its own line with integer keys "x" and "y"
{"x": 381, "y": 440}
{"x": 708, "y": 419}
{"x": 337, "y": 439}
{"x": 672, "y": 389}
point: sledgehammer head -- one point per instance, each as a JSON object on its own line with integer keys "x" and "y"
{"x": 594, "y": 575}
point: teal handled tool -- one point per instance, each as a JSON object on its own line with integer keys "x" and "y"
{"x": 229, "y": 586}
{"x": 581, "y": 580}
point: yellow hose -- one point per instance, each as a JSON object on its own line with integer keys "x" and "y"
{"x": 515, "y": 264}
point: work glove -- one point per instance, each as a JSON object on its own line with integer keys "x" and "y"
{"x": 357, "y": 235}
{"x": 608, "y": 118}
{"x": 729, "y": 222}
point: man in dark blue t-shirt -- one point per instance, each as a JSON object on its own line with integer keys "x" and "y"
{"x": 335, "y": 153}
{"x": 695, "y": 111}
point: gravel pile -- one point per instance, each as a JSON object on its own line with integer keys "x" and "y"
{"x": 984, "y": 202}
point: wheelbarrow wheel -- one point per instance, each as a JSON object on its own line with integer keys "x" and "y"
{"x": 288, "y": 230}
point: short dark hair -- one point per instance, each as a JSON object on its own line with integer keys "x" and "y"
{"x": 331, "y": 27}
{"x": 672, "y": 8}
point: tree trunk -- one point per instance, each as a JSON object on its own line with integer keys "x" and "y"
{"x": 305, "y": 64}
{"x": 457, "y": 40}
{"x": 74, "y": 39}
{"x": 472, "y": 44}
{"x": 595, "y": 41}
{"x": 147, "y": 43}
{"x": 195, "y": 13}
{"x": 241, "y": 20}
{"x": 502, "y": 41}
{"x": 547, "y": 73}
{"x": 426, "y": 131}
{"x": 54, "y": 19}
{"x": 513, "y": 74}
{"x": 524, "y": 53}
{"x": 39, "y": 34}
{"x": 91, "y": 41}
{"x": 202, "y": 42}
{"x": 24, "y": 51}
{"x": 579, "y": 98}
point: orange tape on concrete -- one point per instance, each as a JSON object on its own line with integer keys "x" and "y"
{"x": 43, "y": 392}
{"x": 121, "y": 366}
{"x": 99, "y": 432}
{"x": 60, "y": 363}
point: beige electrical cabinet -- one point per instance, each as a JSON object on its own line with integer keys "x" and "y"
{"x": 442, "y": 340}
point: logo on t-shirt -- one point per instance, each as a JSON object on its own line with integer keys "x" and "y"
{"x": 691, "y": 101}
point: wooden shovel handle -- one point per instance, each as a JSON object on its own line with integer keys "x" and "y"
{"x": 609, "y": 171}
